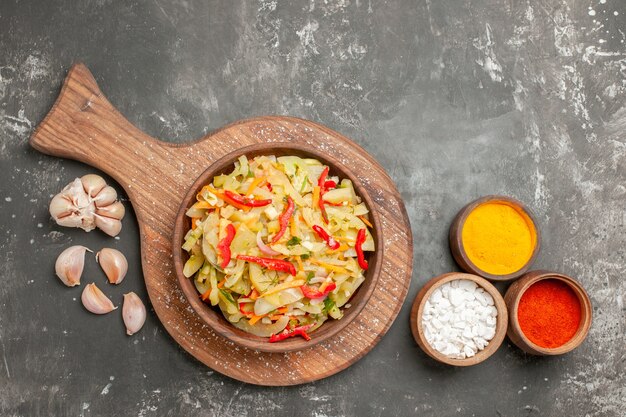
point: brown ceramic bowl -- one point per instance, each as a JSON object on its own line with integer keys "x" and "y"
{"x": 513, "y": 296}
{"x": 456, "y": 241}
{"x": 213, "y": 317}
{"x": 418, "y": 309}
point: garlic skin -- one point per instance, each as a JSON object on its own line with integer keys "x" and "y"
{"x": 69, "y": 265}
{"x": 113, "y": 263}
{"x": 133, "y": 313}
{"x": 88, "y": 203}
{"x": 95, "y": 301}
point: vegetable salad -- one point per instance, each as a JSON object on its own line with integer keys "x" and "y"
{"x": 278, "y": 245}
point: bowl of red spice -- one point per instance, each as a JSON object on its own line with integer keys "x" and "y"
{"x": 549, "y": 313}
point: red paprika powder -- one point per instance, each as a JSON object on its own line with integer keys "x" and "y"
{"x": 549, "y": 313}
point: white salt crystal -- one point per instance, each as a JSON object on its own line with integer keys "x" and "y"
{"x": 481, "y": 298}
{"x": 469, "y": 296}
{"x": 469, "y": 352}
{"x": 489, "y": 299}
{"x": 456, "y": 297}
{"x": 480, "y": 342}
{"x": 467, "y": 285}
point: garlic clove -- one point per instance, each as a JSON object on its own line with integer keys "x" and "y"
{"x": 105, "y": 197}
{"x": 113, "y": 263}
{"x": 95, "y": 301}
{"x": 61, "y": 206}
{"x": 93, "y": 184}
{"x": 133, "y": 313}
{"x": 111, "y": 227}
{"x": 114, "y": 211}
{"x": 75, "y": 192}
{"x": 74, "y": 221}
{"x": 69, "y": 265}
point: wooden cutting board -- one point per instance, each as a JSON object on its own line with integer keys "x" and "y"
{"x": 84, "y": 126}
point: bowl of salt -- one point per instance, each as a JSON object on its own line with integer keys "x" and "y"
{"x": 459, "y": 319}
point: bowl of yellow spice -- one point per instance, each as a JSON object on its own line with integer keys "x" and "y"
{"x": 495, "y": 237}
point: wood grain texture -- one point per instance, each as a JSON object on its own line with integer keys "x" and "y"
{"x": 84, "y": 126}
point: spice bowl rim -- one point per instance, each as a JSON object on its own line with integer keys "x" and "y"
{"x": 456, "y": 238}
{"x": 424, "y": 294}
{"x": 513, "y": 297}
{"x": 215, "y": 319}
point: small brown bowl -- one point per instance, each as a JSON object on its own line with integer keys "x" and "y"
{"x": 213, "y": 317}
{"x": 456, "y": 240}
{"x": 512, "y": 299}
{"x": 418, "y": 309}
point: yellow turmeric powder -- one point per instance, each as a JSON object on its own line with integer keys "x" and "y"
{"x": 498, "y": 237}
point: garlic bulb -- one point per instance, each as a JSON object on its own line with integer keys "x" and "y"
{"x": 88, "y": 203}
{"x": 113, "y": 263}
{"x": 95, "y": 301}
{"x": 69, "y": 265}
{"x": 133, "y": 313}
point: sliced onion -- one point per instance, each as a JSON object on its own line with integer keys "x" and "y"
{"x": 263, "y": 247}
{"x": 262, "y": 306}
{"x": 290, "y": 295}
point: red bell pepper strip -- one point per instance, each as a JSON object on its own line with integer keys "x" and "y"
{"x": 360, "y": 239}
{"x": 330, "y": 184}
{"x": 246, "y": 201}
{"x": 330, "y": 241}
{"x": 224, "y": 246}
{"x": 286, "y": 334}
{"x": 269, "y": 186}
{"x": 312, "y": 293}
{"x": 322, "y": 208}
{"x": 270, "y": 263}
{"x": 283, "y": 219}
{"x": 321, "y": 182}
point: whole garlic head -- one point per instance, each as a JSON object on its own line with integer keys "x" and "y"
{"x": 88, "y": 203}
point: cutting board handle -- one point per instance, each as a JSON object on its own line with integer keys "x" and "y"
{"x": 84, "y": 126}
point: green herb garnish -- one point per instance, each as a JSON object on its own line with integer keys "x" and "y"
{"x": 227, "y": 295}
{"x": 309, "y": 277}
{"x": 303, "y": 184}
{"x": 295, "y": 240}
{"x": 328, "y": 304}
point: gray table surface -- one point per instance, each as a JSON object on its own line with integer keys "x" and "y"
{"x": 455, "y": 99}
